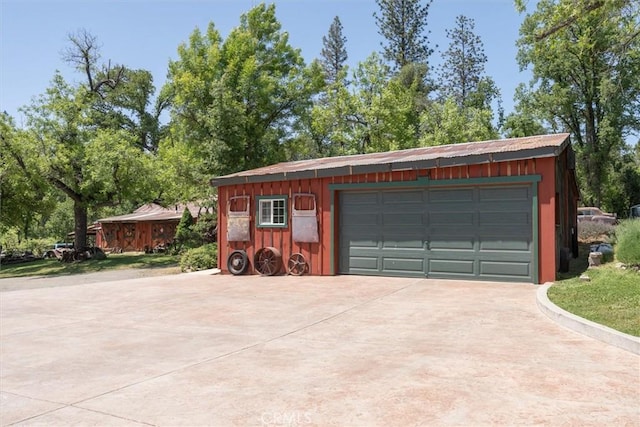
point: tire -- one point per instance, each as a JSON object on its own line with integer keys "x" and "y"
{"x": 237, "y": 262}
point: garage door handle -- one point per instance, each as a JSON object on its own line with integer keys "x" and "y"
{"x": 427, "y": 245}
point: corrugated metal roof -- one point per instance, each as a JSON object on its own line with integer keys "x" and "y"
{"x": 414, "y": 158}
{"x": 153, "y": 212}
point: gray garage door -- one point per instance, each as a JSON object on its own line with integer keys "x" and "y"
{"x": 471, "y": 233}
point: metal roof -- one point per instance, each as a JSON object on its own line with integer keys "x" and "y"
{"x": 153, "y": 212}
{"x": 414, "y": 158}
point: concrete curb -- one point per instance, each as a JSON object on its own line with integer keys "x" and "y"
{"x": 209, "y": 272}
{"x": 584, "y": 326}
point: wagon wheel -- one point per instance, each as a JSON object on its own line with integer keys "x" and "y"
{"x": 237, "y": 262}
{"x": 268, "y": 261}
{"x": 297, "y": 265}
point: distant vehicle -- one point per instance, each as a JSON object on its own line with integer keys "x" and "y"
{"x": 635, "y": 211}
{"x": 596, "y": 215}
{"x": 56, "y": 249}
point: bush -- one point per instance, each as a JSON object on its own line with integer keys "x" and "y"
{"x": 590, "y": 231}
{"x": 36, "y": 246}
{"x": 201, "y": 258}
{"x": 628, "y": 242}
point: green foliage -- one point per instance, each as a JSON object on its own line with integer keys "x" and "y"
{"x": 403, "y": 25}
{"x": 25, "y": 197}
{"x": 461, "y": 76}
{"x": 202, "y": 258}
{"x": 622, "y": 189}
{"x": 585, "y": 59}
{"x": 11, "y": 241}
{"x": 235, "y": 100}
{"x": 334, "y": 53}
{"x": 90, "y": 141}
{"x": 185, "y": 236}
{"x": 447, "y": 123}
{"x": 206, "y": 228}
{"x": 628, "y": 242}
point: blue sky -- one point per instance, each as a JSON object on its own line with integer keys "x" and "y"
{"x": 146, "y": 33}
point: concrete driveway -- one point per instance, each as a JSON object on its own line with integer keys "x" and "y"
{"x": 196, "y": 349}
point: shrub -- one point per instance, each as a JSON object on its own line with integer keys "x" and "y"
{"x": 201, "y": 258}
{"x": 185, "y": 236}
{"x": 589, "y": 231}
{"x": 628, "y": 241}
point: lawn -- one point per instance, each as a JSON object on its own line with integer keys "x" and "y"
{"x": 51, "y": 267}
{"x": 611, "y": 298}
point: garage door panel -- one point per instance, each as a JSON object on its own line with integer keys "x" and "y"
{"x": 500, "y": 194}
{"x": 452, "y": 218}
{"x": 360, "y": 198}
{"x": 403, "y": 243}
{"x": 450, "y": 266}
{"x": 505, "y": 269}
{"x": 393, "y": 264}
{"x": 452, "y": 244}
{"x": 504, "y": 219}
{"x": 364, "y": 263}
{"x": 404, "y": 218}
{"x": 505, "y": 245}
{"x": 361, "y": 219}
{"x": 451, "y": 195}
{"x": 403, "y": 197}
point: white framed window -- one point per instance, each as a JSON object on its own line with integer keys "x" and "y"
{"x": 272, "y": 211}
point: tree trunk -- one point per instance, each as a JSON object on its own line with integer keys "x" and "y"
{"x": 80, "y": 219}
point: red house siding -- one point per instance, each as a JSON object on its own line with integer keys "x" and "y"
{"x": 319, "y": 256}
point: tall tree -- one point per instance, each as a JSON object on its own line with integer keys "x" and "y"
{"x": 463, "y": 64}
{"x": 403, "y": 24}
{"x": 334, "y": 51}
{"x": 585, "y": 59}
{"x": 78, "y": 141}
{"x": 235, "y": 101}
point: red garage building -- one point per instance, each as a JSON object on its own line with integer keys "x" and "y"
{"x": 493, "y": 210}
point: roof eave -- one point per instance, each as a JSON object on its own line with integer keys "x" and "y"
{"x": 541, "y": 152}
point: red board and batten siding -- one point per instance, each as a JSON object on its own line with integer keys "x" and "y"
{"x": 318, "y": 255}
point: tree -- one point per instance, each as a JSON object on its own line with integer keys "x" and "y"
{"x": 403, "y": 25}
{"x": 77, "y": 140}
{"x": 235, "y": 101}
{"x": 524, "y": 121}
{"x": 185, "y": 234}
{"x": 447, "y": 123}
{"x": 585, "y": 59}
{"x": 23, "y": 197}
{"x": 334, "y": 52}
{"x": 120, "y": 96}
{"x": 463, "y": 64}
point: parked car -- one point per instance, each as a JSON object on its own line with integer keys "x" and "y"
{"x": 635, "y": 211}
{"x": 56, "y": 249}
{"x": 596, "y": 215}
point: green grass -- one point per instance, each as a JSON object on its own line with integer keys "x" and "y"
{"x": 611, "y": 298}
{"x": 51, "y": 267}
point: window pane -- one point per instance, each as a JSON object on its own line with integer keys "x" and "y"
{"x": 265, "y": 211}
{"x": 278, "y": 212}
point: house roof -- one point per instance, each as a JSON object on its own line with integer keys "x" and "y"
{"x": 414, "y": 158}
{"x": 153, "y": 212}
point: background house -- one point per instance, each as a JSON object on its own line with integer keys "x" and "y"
{"x": 494, "y": 210}
{"x": 148, "y": 226}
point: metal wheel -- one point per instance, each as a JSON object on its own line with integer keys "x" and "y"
{"x": 237, "y": 262}
{"x": 297, "y": 264}
{"x": 268, "y": 261}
